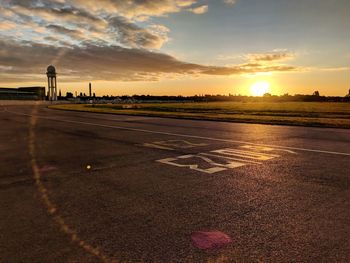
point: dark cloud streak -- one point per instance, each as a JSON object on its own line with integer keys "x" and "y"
{"x": 109, "y": 63}
{"x": 271, "y": 56}
{"x": 134, "y": 36}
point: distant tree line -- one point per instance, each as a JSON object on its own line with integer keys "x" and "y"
{"x": 315, "y": 97}
{"x": 237, "y": 98}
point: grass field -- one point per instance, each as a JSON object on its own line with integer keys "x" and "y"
{"x": 316, "y": 114}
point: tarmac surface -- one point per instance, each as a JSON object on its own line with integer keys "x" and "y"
{"x": 86, "y": 187}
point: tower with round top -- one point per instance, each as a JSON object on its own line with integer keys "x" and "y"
{"x": 51, "y": 83}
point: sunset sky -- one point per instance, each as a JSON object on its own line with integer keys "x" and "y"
{"x": 180, "y": 47}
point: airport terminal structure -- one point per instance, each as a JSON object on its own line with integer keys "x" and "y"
{"x": 33, "y": 93}
{"x": 23, "y": 93}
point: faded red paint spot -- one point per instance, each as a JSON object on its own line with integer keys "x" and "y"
{"x": 47, "y": 168}
{"x": 210, "y": 240}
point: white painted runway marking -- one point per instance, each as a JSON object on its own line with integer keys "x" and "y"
{"x": 215, "y": 166}
{"x": 173, "y": 144}
{"x": 152, "y": 145}
{"x": 231, "y": 158}
{"x": 184, "y": 135}
{"x": 245, "y": 154}
{"x": 219, "y": 160}
{"x": 182, "y": 144}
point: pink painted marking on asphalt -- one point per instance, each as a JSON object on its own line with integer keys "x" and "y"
{"x": 47, "y": 168}
{"x": 210, "y": 240}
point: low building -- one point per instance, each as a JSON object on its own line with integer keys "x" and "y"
{"x": 22, "y": 93}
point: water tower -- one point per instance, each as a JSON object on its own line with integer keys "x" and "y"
{"x": 51, "y": 82}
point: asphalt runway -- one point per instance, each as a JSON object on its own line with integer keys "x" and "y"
{"x": 84, "y": 187}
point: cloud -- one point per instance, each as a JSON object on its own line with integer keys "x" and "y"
{"x": 74, "y": 33}
{"x": 146, "y": 8}
{"x": 199, "y": 10}
{"x": 228, "y": 57}
{"x": 6, "y": 25}
{"x": 334, "y": 69}
{"x": 113, "y": 22}
{"x": 230, "y": 2}
{"x": 271, "y": 56}
{"x": 135, "y": 36}
{"x": 116, "y": 63}
{"x": 131, "y": 9}
{"x": 112, "y": 40}
{"x": 277, "y": 55}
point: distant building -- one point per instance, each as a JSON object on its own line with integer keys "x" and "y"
{"x": 348, "y": 95}
{"x": 316, "y": 93}
{"x": 22, "y": 93}
{"x": 69, "y": 95}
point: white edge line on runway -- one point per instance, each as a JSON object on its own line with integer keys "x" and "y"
{"x": 182, "y": 135}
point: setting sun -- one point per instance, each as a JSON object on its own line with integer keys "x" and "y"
{"x": 260, "y": 88}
